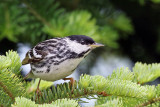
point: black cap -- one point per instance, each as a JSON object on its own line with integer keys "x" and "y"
{"x": 85, "y": 40}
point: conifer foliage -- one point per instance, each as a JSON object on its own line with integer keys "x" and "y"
{"x": 33, "y": 21}
{"x": 122, "y": 88}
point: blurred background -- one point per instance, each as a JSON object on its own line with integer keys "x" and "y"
{"x": 130, "y": 29}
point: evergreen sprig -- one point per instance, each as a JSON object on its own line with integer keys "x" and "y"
{"x": 122, "y": 74}
{"x": 118, "y": 87}
{"x": 122, "y": 88}
{"x": 146, "y": 72}
{"x": 24, "y": 102}
{"x": 11, "y": 85}
{"x": 109, "y": 102}
{"x": 62, "y": 91}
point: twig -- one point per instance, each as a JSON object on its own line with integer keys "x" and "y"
{"x": 149, "y": 102}
{"x": 37, "y": 15}
{"x": 103, "y": 93}
{"x": 7, "y": 91}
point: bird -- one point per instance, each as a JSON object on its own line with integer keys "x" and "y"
{"x": 57, "y": 58}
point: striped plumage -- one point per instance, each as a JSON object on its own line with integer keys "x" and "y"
{"x": 57, "y": 58}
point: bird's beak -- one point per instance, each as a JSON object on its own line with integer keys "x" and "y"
{"x": 95, "y": 45}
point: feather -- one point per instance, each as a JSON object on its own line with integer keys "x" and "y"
{"x": 32, "y": 58}
{"x": 26, "y": 60}
{"x": 29, "y": 75}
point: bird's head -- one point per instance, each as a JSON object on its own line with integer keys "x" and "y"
{"x": 81, "y": 44}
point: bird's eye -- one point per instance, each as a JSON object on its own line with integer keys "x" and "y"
{"x": 82, "y": 42}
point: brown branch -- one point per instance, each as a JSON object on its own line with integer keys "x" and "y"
{"x": 7, "y": 91}
{"x": 37, "y": 15}
{"x": 103, "y": 94}
{"x": 154, "y": 100}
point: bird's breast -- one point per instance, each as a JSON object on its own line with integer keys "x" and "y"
{"x": 59, "y": 71}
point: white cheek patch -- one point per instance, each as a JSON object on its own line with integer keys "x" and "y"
{"x": 35, "y": 54}
{"x": 76, "y": 47}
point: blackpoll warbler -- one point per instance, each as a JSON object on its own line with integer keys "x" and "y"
{"x": 57, "y": 58}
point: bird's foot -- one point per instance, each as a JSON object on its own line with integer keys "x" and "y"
{"x": 72, "y": 83}
{"x": 38, "y": 94}
{"x": 38, "y": 91}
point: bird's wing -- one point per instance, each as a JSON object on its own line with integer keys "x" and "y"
{"x": 29, "y": 75}
{"x": 26, "y": 60}
{"x": 32, "y": 57}
{"x": 39, "y": 51}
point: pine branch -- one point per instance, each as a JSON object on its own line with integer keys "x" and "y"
{"x": 98, "y": 85}
{"x": 117, "y": 87}
{"x": 154, "y": 100}
{"x": 37, "y": 15}
{"x": 21, "y": 101}
{"x": 110, "y": 102}
{"x": 7, "y": 91}
{"x": 63, "y": 91}
{"x": 120, "y": 84}
{"x": 122, "y": 74}
{"x": 144, "y": 73}
{"x": 11, "y": 85}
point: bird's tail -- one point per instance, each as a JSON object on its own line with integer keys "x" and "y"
{"x": 29, "y": 75}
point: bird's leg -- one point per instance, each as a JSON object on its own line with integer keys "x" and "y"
{"x": 72, "y": 81}
{"x": 38, "y": 92}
